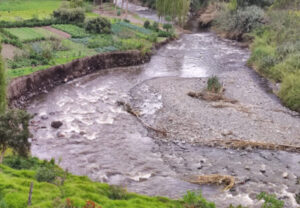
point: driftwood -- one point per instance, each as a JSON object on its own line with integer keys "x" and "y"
{"x": 127, "y": 107}
{"x": 243, "y": 144}
{"x": 227, "y": 180}
{"x": 211, "y": 96}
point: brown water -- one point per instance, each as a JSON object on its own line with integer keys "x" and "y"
{"x": 99, "y": 139}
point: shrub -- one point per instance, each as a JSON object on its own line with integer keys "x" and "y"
{"x": 290, "y": 91}
{"x": 14, "y": 132}
{"x": 69, "y": 15}
{"x": 147, "y": 24}
{"x": 155, "y": 26}
{"x": 119, "y": 13}
{"x": 17, "y": 162}
{"x": 167, "y": 27}
{"x": 270, "y": 201}
{"x": 193, "y": 200}
{"x": 243, "y": 20}
{"x": 46, "y": 174}
{"x": 214, "y": 85}
{"x": 126, "y": 20}
{"x": 165, "y": 34}
{"x": 98, "y": 25}
{"x": 117, "y": 193}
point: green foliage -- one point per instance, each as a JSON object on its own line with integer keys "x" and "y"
{"x": 18, "y": 163}
{"x": 147, "y": 24}
{"x": 270, "y": 201}
{"x": 196, "y": 200}
{"x": 66, "y": 16}
{"x": 117, "y": 193}
{"x": 46, "y": 174}
{"x": 28, "y": 23}
{"x": 14, "y": 132}
{"x": 98, "y": 25}
{"x": 73, "y": 30}
{"x": 290, "y": 91}
{"x": 214, "y": 85}
{"x": 176, "y": 9}
{"x": 242, "y": 20}
{"x": 167, "y": 27}
{"x": 26, "y": 34}
{"x": 100, "y": 41}
{"x": 2, "y": 85}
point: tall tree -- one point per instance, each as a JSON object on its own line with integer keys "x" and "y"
{"x": 176, "y": 9}
{"x": 2, "y": 85}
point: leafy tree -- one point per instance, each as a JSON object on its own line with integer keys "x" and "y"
{"x": 176, "y": 9}
{"x": 14, "y": 132}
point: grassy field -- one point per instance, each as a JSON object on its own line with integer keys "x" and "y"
{"x": 26, "y": 34}
{"x": 77, "y": 190}
{"x": 12, "y": 10}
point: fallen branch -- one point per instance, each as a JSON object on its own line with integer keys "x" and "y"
{"x": 211, "y": 96}
{"x": 130, "y": 110}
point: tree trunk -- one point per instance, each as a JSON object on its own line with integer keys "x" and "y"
{"x": 2, "y": 154}
{"x": 126, "y": 14}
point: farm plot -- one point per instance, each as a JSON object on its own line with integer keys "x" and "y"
{"x": 73, "y": 30}
{"x": 26, "y": 34}
{"x": 12, "y": 10}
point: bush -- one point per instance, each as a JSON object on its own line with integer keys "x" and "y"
{"x": 46, "y": 174}
{"x": 147, "y": 24}
{"x": 155, "y": 26}
{"x": 270, "y": 201}
{"x": 167, "y": 27}
{"x": 193, "y": 200}
{"x": 214, "y": 85}
{"x": 17, "y": 162}
{"x": 69, "y": 15}
{"x": 243, "y": 20}
{"x": 117, "y": 193}
{"x": 165, "y": 34}
{"x": 290, "y": 91}
{"x": 98, "y": 25}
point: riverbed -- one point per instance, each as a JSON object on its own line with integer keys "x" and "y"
{"x": 100, "y": 139}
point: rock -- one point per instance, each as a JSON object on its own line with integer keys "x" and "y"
{"x": 226, "y": 133}
{"x": 60, "y": 135}
{"x": 262, "y": 168}
{"x": 44, "y": 117}
{"x": 247, "y": 167}
{"x": 285, "y": 175}
{"x": 56, "y": 124}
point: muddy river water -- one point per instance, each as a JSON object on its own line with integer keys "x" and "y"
{"x": 100, "y": 139}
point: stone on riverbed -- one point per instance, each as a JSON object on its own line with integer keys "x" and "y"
{"x": 56, "y": 124}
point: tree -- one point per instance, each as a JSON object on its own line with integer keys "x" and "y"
{"x": 2, "y": 86}
{"x": 176, "y": 9}
{"x": 14, "y": 132}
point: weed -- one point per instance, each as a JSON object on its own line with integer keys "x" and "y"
{"x": 214, "y": 85}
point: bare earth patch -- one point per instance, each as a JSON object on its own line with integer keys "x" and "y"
{"x": 9, "y": 51}
{"x": 60, "y": 33}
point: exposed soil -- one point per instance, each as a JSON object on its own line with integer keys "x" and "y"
{"x": 9, "y": 51}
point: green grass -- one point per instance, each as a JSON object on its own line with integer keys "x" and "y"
{"x": 14, "y": 188}
{"x": 73, "y": 30}
{"x": 12, "y": 10}
{"x": 27, "y": 34}
{"x": 276, "y": 54}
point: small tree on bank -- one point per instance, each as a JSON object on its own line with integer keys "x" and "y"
{"x": 14, "y": 132}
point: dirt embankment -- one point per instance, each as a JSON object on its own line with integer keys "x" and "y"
{"x": 22, "y": 89}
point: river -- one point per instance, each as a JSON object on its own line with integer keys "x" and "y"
{"x": 101, "y": 140}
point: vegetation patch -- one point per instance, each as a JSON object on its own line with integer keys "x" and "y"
{"x": 73, "y": 30}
